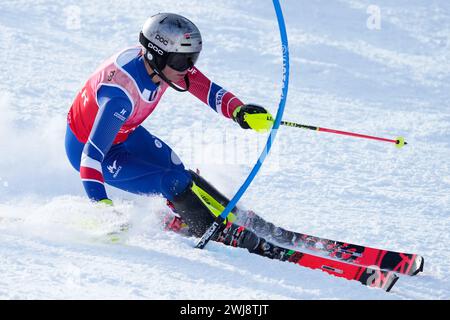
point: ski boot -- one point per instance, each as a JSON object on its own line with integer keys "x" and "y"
{"x": 239, "y": 236}
{"x": 247, "y": 218}
{"x": 197, "y": 208}
{"x": 267, "y": 229}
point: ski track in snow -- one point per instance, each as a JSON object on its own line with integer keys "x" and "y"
{"x": 388, "y": 82}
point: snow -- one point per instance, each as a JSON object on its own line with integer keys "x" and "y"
{"x": 393, "y": 81}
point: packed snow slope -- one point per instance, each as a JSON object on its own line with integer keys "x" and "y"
{"x": 349, "y": 71}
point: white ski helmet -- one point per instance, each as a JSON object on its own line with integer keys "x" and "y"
{"x": 170, "y": 40}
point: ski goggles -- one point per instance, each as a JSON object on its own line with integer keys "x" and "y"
{"x": 182, "y": 61}
{"x": 178, "y": 61}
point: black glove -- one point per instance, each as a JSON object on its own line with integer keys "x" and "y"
{"x": 251, "y": 116}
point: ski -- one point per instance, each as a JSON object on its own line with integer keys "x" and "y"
{"x": 368, "y": 276}
{"x": 399, "y": 262}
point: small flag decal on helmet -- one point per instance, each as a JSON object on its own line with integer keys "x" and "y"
{"x": 192, "y": 35}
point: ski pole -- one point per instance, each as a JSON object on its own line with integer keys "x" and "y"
{"x": 399, "y": 141}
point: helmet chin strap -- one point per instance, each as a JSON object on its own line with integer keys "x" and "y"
{"x": 156, "y": 72}
{"x": 174, "y": 86}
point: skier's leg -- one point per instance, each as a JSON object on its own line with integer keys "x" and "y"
{"x": 214, "y": 199}
{"x": 146, "y": 165}
{"x": 198, "y": 215}
{"x": 143, "y": 164}
{"x": 246, "y": 218}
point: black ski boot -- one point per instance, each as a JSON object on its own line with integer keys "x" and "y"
{"x": 199, "y": 218}
{"x": 193, "y": 210}
{"x": 247, "y": 218}
{"x": 238, "y": 236}
{"x": 266, "y": 229}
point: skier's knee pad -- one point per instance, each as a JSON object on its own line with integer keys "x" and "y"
{"x": 193, "y": 212}
{"x": 191, "y": 207}
{"x": 175, "y": 182}
{"x": 210, "y": 189}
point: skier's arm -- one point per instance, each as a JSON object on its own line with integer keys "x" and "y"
{"x": 114, "y": 108}
{"x": 224, "y": 102}
{"x": 219, "y": 99}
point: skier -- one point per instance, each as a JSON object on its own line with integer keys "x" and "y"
{"x": 106, "y": 142}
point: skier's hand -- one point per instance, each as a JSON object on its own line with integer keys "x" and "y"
{"x": 251, "y": 116}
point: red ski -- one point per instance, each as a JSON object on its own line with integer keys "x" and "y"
{"x": 403, "y": 263}
{"x": 372, "y": 277}
{"x": 369, "y": 276}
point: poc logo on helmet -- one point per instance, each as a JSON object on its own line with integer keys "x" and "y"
{"x": 155, "y": 48}
{"x": 161, "y": 39}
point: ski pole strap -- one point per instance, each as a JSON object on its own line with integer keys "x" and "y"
{"x": 399, "y": 141}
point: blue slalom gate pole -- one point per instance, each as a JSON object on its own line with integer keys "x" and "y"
{"x": 221, "y": 218}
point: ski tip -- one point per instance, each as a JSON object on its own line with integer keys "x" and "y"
{"x": 391, "y": 282}
{"x": 418, "y": 266}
